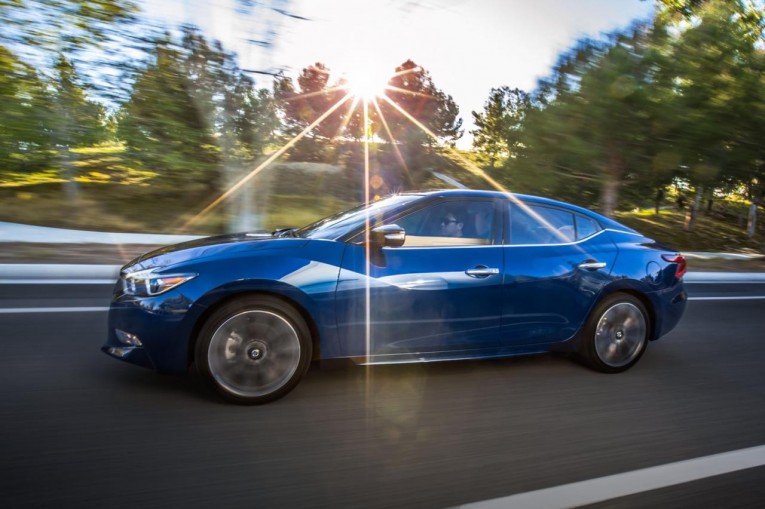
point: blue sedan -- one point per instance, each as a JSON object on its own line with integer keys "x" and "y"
{"x": 415, "y": 277}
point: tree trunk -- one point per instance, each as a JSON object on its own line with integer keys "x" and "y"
{"x": 751, "y": 225}
{"x": 69, "y": 174}
{"x": 657, "y": 203}
{"x": 690, "y": 217}
{"x": 610, "y": 192}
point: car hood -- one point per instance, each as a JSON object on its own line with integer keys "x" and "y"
{"x": 210, "y": 246}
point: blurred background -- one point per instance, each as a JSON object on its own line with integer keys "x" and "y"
{"x": 134, "y": 116}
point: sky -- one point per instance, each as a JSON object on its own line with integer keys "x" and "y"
{"x": 468, "y": 46}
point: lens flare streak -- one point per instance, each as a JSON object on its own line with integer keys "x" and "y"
{"x": 314, "y": 94}
{"x": 393, "y": 143}
{"x": 367, "y": 246}
{"x": 409, "y": 92}
{"x": 475, "y": 170}
{"x": 265, "y": 163}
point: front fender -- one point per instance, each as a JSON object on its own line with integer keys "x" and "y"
{"x": 317, "y": 313}
{"x": 306, "y": 277}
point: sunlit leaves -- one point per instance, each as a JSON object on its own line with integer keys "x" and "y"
{"x": 497, "y": 134}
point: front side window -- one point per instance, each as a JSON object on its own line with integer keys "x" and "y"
{"x": 450, "y": 223}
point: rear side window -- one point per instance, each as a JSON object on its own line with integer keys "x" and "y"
{"x": 531, "y": 224}
{"x": 585, "y": 227}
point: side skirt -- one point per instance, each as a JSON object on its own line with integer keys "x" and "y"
{"x": 458, "y": 355}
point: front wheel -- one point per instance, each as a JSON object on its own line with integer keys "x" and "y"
{"x": 616, "y": 334}
{"x": 254, "y": 350}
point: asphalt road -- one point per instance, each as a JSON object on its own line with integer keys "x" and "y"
{"x": 79, "y": 429}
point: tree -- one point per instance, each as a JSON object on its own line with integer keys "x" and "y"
{"x": 25, "y": 105}
{"x": 164, "y": 127}
{"x": 593, "y": 121}
{"x": 414, "y": 91}
{"x": 197, "y": 120}
{"x": 301, "y": 106}
{"x": 61, "y": 26}
{"x": 497, "y": 133}
{"x": 394, "y": 135}
{"x": 74, "y": 121}
{"x": 717, "y": 73}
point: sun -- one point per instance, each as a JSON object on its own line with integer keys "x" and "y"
{"x": 366, "y": 82}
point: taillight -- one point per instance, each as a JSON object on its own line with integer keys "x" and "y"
{"x": 682, "y": 265}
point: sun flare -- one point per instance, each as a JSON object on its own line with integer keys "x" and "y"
{"x": 366, "y": 82}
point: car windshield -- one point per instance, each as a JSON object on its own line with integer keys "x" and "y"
{"x": 334, "y": 227}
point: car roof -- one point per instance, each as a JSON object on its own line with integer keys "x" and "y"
{"x": 475, "y": 193}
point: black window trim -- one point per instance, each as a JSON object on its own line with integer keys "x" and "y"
{"x": 508, "y": 241}
{"x": 357, "y": 235}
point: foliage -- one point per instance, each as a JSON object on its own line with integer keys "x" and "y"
{"x": 677, "y": 101}
{"x": 74, "y": 120}
{"x": 25, "y": 104}
{"x": 193, "y": 114}
{"x": 403, "y": 152}
{"x": 162, "y": 126}
{"x": 301, "y": 106}
{"x": 497, "y": 134}
{"x": 592, "y": 119}
{"x": 671, "y": 106}
{"x": 413, "y": 90}
{"x": 61, "y": 26}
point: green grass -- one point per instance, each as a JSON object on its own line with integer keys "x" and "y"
{"x": 124, "y": 208}
{"x": 714, "y": 232}
{"x": 114, "y": 196}
{"x": 107, "y": 206}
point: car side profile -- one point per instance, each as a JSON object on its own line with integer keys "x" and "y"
{"x": 414, "y": 277}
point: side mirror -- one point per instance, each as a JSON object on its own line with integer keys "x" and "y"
{"x": 388, "y": 235}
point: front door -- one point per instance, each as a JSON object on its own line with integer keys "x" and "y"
{"x": 438, "y": 294}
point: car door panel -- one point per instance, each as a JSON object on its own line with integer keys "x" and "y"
{"x": 421, "y": 300}
{"x": 550, "y": 288}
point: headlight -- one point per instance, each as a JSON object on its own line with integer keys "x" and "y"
{"x": 146, "y": 283}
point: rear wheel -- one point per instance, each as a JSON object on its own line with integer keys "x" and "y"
{"x": 254, "y": 350}
{"x": 616, "y": 334}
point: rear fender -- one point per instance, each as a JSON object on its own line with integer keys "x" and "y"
{"x": 635, "y": 288}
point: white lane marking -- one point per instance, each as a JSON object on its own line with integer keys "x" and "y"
{"x": 58, "y": 281}
{"x": 629, "y": 483}
{"x": 52, "y": 310}
{"x": 732, "y": 297}
{"x": 723, "y": 282}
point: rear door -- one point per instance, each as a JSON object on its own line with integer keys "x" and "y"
{"x": 556, "y": 262}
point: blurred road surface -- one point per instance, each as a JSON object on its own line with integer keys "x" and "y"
{"x": 78, "y": 429}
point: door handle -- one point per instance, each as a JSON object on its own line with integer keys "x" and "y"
{"x": 482, "y": 271}
{"x": 592, "y": 265}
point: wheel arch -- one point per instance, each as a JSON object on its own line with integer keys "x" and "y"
{"x": 222, "y": 300}
{"x": 642, "y": 296}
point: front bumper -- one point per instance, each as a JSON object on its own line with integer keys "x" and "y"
{"x": 132, "y": 354}
{"x": 164, "y": 325}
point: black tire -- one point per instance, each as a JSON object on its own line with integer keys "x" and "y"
{"x": 254, "y": 349}
{"x": 616, "y": 334}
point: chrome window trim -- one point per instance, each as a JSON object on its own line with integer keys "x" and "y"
{"x": 576, "y": 242}
{"x": 449, "y": 247}
{"x": 521, "y": 245}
